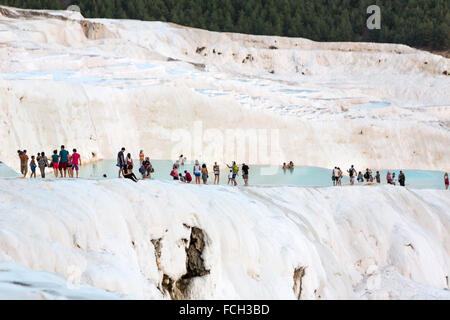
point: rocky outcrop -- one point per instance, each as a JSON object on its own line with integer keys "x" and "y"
{"x": 195, "y": 267}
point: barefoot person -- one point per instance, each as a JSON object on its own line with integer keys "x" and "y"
{"x": 55, "y": 162}
{"x": 33, "y": 167}
{"x": 121, "y": 161}
{"x": 187, "y": 177}
{"x": 23, "y": 162}
{"x": 216, "y": 170}
{"x": 141, "y": 157}
{"x": 204, "y": 174}
{"x": 63, "y": 161}
{"x": 76, "y": 161}
{"x": 352, "y": 174}
{"x": 42, "y": 163}
{"x": 446, "y": 181}
{"x": 235, "y": 170}
{"x": 197, "y": 172}
{"x": 245, "y": 169}
{"x": 69, "y": 166}
{"x": 128, "y": 173}
{"x": 401, "y": 179}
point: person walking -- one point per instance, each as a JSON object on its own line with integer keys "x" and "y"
{"x": 76, "y": 161}
{"x": 33, "y": 167}
{"x": 121, "y": 161}
{"x": 55, "y": 162}
{"x": 42, "y": 163}
{"x": 23, "y": 162}
{"x": 63, "y": 161}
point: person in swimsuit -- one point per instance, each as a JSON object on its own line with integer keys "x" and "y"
{"x": 245, "y": 169}
{"x": 216, "y": 170}
{"x": 174, "y": 174}
{"x": 69, "y": 166}
{"x": 76, "y": 161}
{"x": 33, "y": 167}
{"x": 55, "y": 161}
{"x": 446, "y": 181}
{"x": 197, "y": 172}
{"x": 141, "y": 157}
{"x": 23, "y": 162}
{"x": 204, "y": 174}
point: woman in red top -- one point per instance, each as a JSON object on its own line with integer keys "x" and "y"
{"x": 446, "y": 181}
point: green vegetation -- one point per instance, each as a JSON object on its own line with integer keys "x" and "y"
{"x": 419, "y": 23}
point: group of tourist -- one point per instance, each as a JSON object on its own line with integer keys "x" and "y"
{"x": 367, "y": 177}
{"x": 200, "y": 172}
{"x": 63, "y": 163}
{"x": 289, "y": 166}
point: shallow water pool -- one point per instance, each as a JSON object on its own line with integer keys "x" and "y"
{"x": 265, "y": 175}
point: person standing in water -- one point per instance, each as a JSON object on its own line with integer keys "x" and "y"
{"x": 388, "y": 178}
{"x": 216, "y": 170}
{"x": 63, "y": 161}
{"x": 55, "y": 162}
{"x": 393, "y": 180}
{"x": 76, "y": 161}
{"x": 197, "y": 172}
{"x": 141, "y": 157}
{"x": 230, "y": 177}
{"x": 204, "y": 174}
{"x": 245, "y": 169}
{"x": 378, "y": 177}
{"x": 33, "y": 167}
{"x": 401, "y": 179}
{"x": 235, "y": 170}
{"x": 69, "y": 166}
{"x": 43, "y": 163}
{"x": 352, "y": 174}
{"x": 446, "y": 181}
{"x": 121, "y": 161}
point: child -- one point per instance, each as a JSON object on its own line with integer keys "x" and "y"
{"x": 33, "y": 167}
{"x": 230, "y": 177}
{"x": 55, "y": 160}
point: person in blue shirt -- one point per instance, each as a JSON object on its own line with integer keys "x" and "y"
{"x": 63, "y": 160}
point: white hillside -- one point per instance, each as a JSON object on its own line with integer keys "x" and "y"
{"x": 253, "y": 243}
{"x": 100, "y": 84}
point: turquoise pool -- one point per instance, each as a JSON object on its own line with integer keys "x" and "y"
{"x": 266, "y": 175}
{"x": 259, "y": 175}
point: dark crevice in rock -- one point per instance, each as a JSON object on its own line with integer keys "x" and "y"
{"x": 299, "y": 273}
{"x": 178, "y": 289}
{"x": 157, "y": 244}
